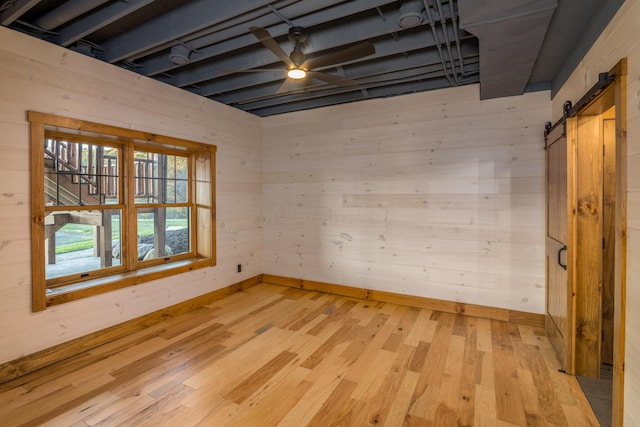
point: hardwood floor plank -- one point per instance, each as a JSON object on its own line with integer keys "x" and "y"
{"x": 509, "y": 404}
{"x": 423, "y": 328}
{"x": 186, "y": 323}
{"x": 165, "y": 403}
{"x": 530, "y": 399}
{"x": 418, "y": 357}
{"x": 212, "y": 413}
{"x": 581, "y": 407}
{"x": 81, "y": 411}
{"x": 334, "y": 314}
{"x": 20, "y": 396}
{"x": 325, "y": 378}
{"x": 378, "y": 405}
{"x": 401, "y": 400}
{"x": 393, "y": 342}
{"x": 370, "y": 385}
{"x": 119, "y": 411}
{"x": 369, "y": 338}
{"x": 177, "y": 415}
{"x": 273, "y": 401}
{"x": 425, "y": 404}
{"x": 484, "y": 342}
{"x": 243, "y": 390}
{"x": 226, "y": 372}
{"x": 331, "y": 411}
{"x": 542, "y": 388}
{"x": 484, "y": 369}
{"x": 484, "y": 413}
{"x": 577, "y": 417}
{"x": 343, "y": 335}
{"x": 279, "y": 356}
{"x": 222, "y": 374}
{"x": 428, "y": 387}
{"x": 451, "y": 396}
{"x": 407, "y": 317}
{"x": 365, "y": 311}
{"x": 56, "y": 403}
{"x": 467, "y": 387}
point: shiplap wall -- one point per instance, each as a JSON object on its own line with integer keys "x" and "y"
{"x": 35, "y": 75}
{"x": 435, "y": 194}
{"x": 621, "y": 39}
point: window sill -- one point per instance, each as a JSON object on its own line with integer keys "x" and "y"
{"x": 75, "y": 291}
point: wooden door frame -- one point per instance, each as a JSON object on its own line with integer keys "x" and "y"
{"x": 620, "y": 267}
{"x": 615, "y": 96}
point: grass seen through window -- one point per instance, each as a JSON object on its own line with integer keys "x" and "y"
{"x": 82, "y": 235}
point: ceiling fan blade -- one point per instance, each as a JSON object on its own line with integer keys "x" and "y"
{"x": 255, "y": 70}
{"x": 331, "y": 79}
{"x": 268, "y": 41}
{"x": 291, "y": 85}
{"x": 345, "y": 55}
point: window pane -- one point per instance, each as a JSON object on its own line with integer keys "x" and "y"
{"x": 163, "y": 232}
{"x": 82, "y": 241}
{"x": 160, "y": 178}
{"x": 80, "y": 174}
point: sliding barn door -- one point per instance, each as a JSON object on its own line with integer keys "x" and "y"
{"x": 586, "y": 232}
{"x": 559, "y": 292}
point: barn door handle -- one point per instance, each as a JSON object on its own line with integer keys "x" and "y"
{"x": 562, "y": 249}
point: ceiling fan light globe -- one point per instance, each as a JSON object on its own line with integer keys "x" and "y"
{"x": 297, "y": 73}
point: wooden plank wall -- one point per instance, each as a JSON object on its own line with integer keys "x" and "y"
{"x": 621, "y": 39}
{"x": 438, "y": 195}
{"x": 39, "y": 76}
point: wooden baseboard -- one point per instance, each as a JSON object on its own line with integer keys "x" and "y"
{"x": 40, "y": 359}
{"x": 512, "y": 316}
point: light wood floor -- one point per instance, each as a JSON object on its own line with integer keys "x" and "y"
{"x": 272, "y": 355}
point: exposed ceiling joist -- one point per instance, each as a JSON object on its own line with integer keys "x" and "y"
{"x": 192, "y": 16}
{"x": 98, "y": 20}
{"x": 12, "y": 10}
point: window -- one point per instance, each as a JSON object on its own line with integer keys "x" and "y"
{"x": 113, "y": 207}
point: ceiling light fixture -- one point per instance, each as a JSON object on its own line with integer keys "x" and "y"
{"x": 297, "y": 73}
{"x": 410, "y": 14}
{"x": 179, "y": 54}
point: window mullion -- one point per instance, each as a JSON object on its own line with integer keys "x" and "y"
{"x": 131, "y": 222}
{"x": 191, "y": 188}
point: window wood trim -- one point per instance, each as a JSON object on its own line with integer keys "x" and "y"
{"x": 202, "y": 203}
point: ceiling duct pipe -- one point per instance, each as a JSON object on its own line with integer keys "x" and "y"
{"x": 436, "y": 39}
{"x": 66, "y": 12}
{"x": 456, "y": 34}
{"x": 447, "y": 43}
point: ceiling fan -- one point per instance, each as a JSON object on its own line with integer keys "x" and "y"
{"x": 299, "y": 68}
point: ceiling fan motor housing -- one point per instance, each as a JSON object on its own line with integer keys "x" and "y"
{"x": 298, "y": 34}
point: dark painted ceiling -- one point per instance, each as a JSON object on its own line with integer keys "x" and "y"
{"x": 212, "y": 47}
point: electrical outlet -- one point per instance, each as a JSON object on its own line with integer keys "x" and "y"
{"x": 239, "y": 268}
